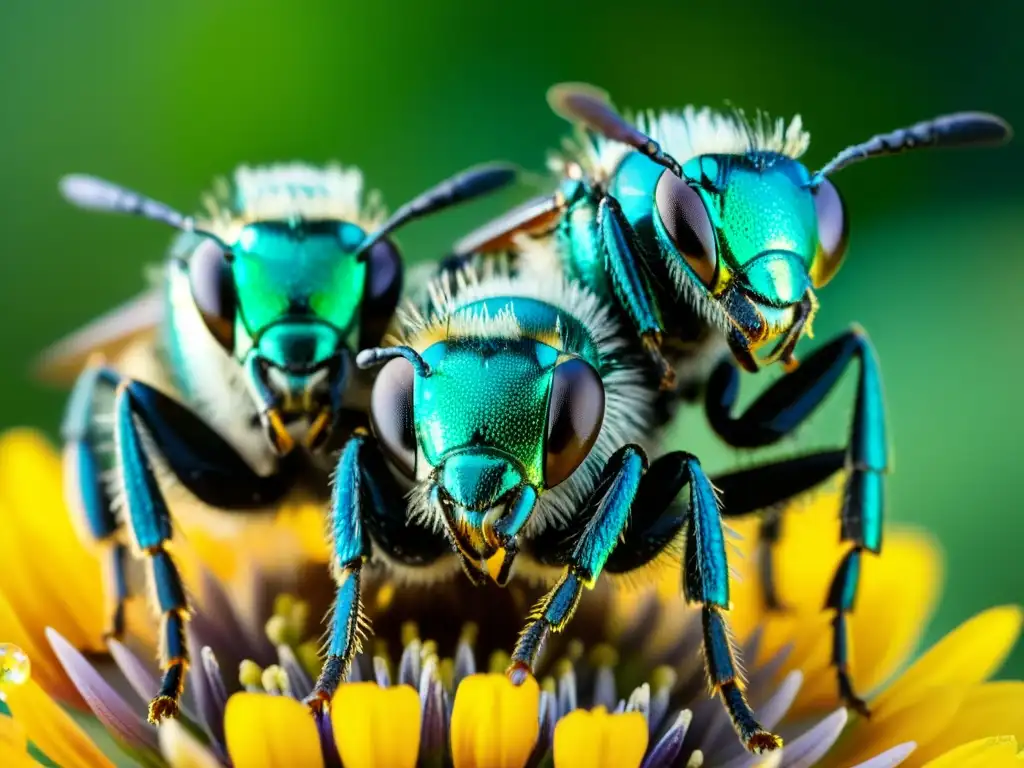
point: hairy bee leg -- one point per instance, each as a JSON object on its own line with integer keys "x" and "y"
{"x": 781, "y": 409}
{"x": 766, "y": 487}
{"x": 351, "y": 547}
{"x": 150, "y": 524}
{"x": 706, "y": 581}
{"x": 85, "y": 490}
{"x": 625, "y": 261}
{"x": 607, "y": 513}
{"x": 208, "y": 467}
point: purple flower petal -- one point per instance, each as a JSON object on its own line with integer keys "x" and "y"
{"x": 891, "y": 757}
{"x": 640, "y": 701}
{"x": 604, "y": 688}
{"x": 668, "y": 747}
{"x": 409, "y": 666}
{"x": 658, "y": 708}
{"x": 299, "y": 682}
{"x": 465, "y": 662}
{"x": 808, "y": 748}
{"x": 433, "y": 733}
{"x": 567, "y": 693}
{"x": 211, "y": 697}
{"x": 772, "y": 711}
{"x": 380, "y": 672}
{"x": 328, "y": 747}
{"x": 118, "y": 717}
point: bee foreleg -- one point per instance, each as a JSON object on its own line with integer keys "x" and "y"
{"x": 624, "y": 260}
{"x": 607, "y": 514}
{"x": 706, "y": 581}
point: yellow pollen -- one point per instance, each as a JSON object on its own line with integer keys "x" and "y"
{"x": 276, "y": 630}
{"x": 604, "y": 655}
{"x": 385, "y": 595}
{"x": 499, "y": 662}
{"x": 250, "y": 674}
{"x": 469, "y": 633}
{"x": 410, "y": 632}
{"x": 15, "y": 667}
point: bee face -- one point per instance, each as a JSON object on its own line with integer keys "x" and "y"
{"x": 493, "y": 417}
{"x": 758, "y": 238}
{"x": 284, "y": 300}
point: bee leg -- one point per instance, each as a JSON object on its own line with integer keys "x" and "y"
{"x": 606, "y": 515}
{"x": 785, "y": 406}
{"x": 367, "y": 511}
{"x": 706, "y": 581}
{"x": 209, "y": 468}
{"x": 150, "y": 524}
{"x": 351, "y": 547}
{"x": 86, "y": 492}
{"x": 767, "y": 487}
{"x": 625, "y": 262}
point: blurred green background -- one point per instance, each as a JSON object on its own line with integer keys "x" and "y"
{"x": 162, "y": 97}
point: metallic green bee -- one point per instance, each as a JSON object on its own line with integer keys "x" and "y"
{"x": 711, "y": 237}
{"x": 259, "y": 306}
{"x": 516, "y": 410}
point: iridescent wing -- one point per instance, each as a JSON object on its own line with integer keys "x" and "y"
{"x": 534, "y": 217}
{"x": 107, "y": 335}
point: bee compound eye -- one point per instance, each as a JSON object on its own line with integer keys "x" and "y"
{"x": 687, "y": 223}
{"x": 391, "y": 414}
{"x": 833, "y": 233}
{"x": 213, "y": 291}
{"x": 575, "y": 416}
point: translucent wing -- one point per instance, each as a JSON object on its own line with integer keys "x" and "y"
{"x": 534, "y": 217}
{"x": 108, "y": 335}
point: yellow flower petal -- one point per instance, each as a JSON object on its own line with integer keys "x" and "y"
{"x": 376, "y": 727}
{"x": 494, "y": 723}
{"x": 14, "y": 745}
{"x": 67, "y": 593}
{"x": 993, "y": 752}
{"x": 51, "y": 728}
{"x": 898, "y": 591}
{"x": 45, "y": 667}
{"x": 182, "y": 750}
{"x": 966, "y": 656}
{"x": 265, "y": 731}
{"x": 596, "y": 739}
{"x": 920, "y": 721}
{"x": 992, "y": 708}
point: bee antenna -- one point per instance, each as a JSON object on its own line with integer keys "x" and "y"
{"x": 469, "y": 184}
{"x": 95, "y": 194}
{"x": 961, "y": 129}
{"x": 591, "y": 107}
{"x": 370, "y": 358}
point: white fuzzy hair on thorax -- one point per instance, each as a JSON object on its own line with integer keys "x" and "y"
{"x": 628, "y": 398}
{"x": 288, "y": 191}
{"x": 684, "y": 134}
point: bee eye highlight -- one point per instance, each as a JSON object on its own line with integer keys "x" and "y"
{"x": 575, "y": 415}
{"x": 687, "y": 223}
{"x": 213, "y": 290}
{"x": 833, "y": 233}
{"x": 391, "y": 414}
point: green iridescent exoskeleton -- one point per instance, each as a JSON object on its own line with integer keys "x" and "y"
{"x": 711, "y": 238}
{"x": 260, "y": 305}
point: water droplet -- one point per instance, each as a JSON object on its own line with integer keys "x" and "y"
{"x": 15, "y": 666}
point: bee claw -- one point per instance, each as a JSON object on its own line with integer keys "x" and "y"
{"x": 762, "y": 741}
{"x": 162, "y": 708}
{"x": 518, "y": 672}
{"x": 318, "y": 702}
